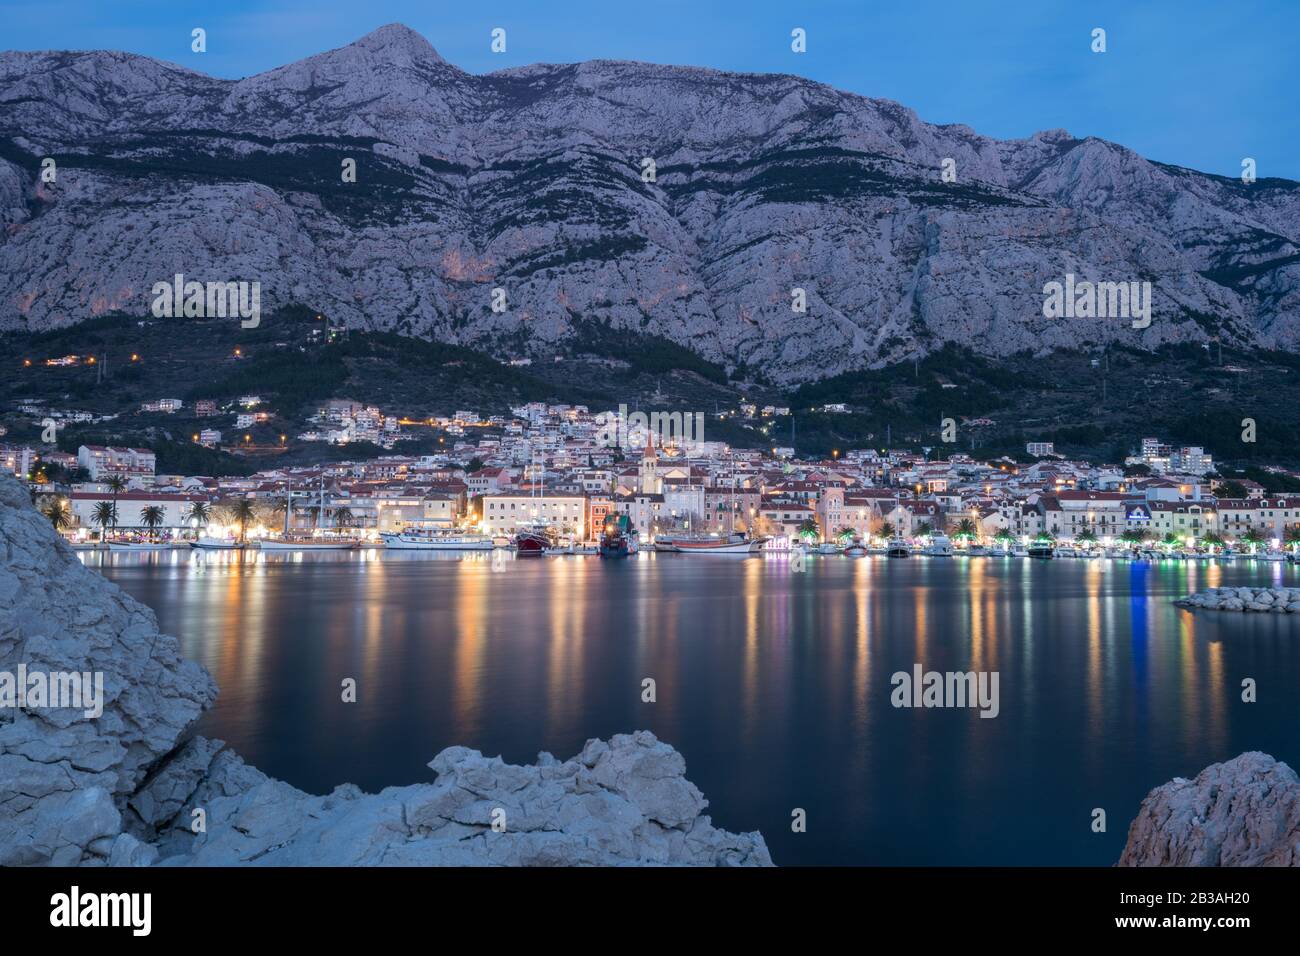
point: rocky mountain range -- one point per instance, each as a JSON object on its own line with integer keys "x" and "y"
{"x": 534, "y": 181}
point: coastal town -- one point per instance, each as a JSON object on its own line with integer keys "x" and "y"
{"x": 563, "y": 476}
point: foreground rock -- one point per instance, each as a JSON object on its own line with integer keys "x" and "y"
{"x": 122, "y": 789}
{"x": 1274, "y": 600}
{"x": 1244, "y": 812}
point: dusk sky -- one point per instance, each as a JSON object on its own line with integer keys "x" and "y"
{"x": 1195, "y": 83}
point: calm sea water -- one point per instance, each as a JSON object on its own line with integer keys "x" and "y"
{"x": 774, "y": 686}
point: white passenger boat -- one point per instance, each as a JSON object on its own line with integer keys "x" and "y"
{"x": 977, "y": 551}
{"x": 426, "y": 539}
{"x": 828, "y": 547}
{"x": 898, "y": 548}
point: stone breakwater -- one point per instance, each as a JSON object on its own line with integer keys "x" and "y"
{"x": 1243, "y": 812}
{"x": 1274, "y": 600}
{"x": 123, "y": 789}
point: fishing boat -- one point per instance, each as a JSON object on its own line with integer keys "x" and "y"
{"x": 615, "y": 542}
{"x": 216, "y": 544}
{"x": 940, "y": 547}
{"x": 429, "y": 539}
{"x": 898, "y": 548}
{"x": 531, "y": 544}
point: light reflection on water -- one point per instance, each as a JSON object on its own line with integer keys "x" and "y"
{"x": 774, "y": 685}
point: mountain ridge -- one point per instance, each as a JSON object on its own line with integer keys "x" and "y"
{"x": 529, "y": 180}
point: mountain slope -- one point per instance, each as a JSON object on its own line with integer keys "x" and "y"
{"x": 529, "y": 180}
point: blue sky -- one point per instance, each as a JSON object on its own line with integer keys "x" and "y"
{"x": 1192, "y": 82}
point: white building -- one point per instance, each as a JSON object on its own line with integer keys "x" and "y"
{"x": 506, "y": 513}
{"x": 102, "y": 461}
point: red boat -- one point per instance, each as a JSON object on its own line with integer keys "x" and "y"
{"x": 530, "y": 543}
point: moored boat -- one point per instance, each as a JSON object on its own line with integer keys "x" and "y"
{"x": 139, "y": 546}
{"x": 216, "y": 544}
{"x": 1041, "y": 549}
{"x": 302, "y": 542}
{"x": 425, "y": 539}
{"x": 898, "y": 548}
{"x": 940, "y": 547}
{"x": 855, "y": 549}
{"x": 531, "y": 544}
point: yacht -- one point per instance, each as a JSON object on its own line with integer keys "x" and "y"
{"x": 999, "y": 551}
{"x": 1042, "y": 549}
{"x": 940, "y": 546}
{"x": 828, "y": 547}
{"x": 977, "y": 551}
{"x": 898, "y": 548}
{"x": 428, "y": 539}
{"x": 1019, "y": 551}
{"x": 855, "y": 549}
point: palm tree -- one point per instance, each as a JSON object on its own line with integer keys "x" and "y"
{"x": 1293, "y": 537}
{"x": 59, "y": 514}
{"x": 104, "y": 515}
{"x": 242, "y": 512}
{"x": 966, "y": 530}
{"x": 1004, "y": 537}
{"x": 1087, "y": 537}
{"x": 343, "y": 517}
{"x": 1252, "y": 538}
{"x": 151, "y": 517}
{"x": 1212, "y": 540}
{"x": 1170, "y": 540}
{"x": 925, "y": 530}
{"x": 200, "y": 514}
{"x": 116, "y": 484}
{"x": 886, "y": 531}
{"x": 808, "y": 530}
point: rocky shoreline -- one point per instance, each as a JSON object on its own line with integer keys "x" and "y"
{"x": 1242, "y": 812}
{"x": 1274, "y": 600}
{"x": 135, "y": 786}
